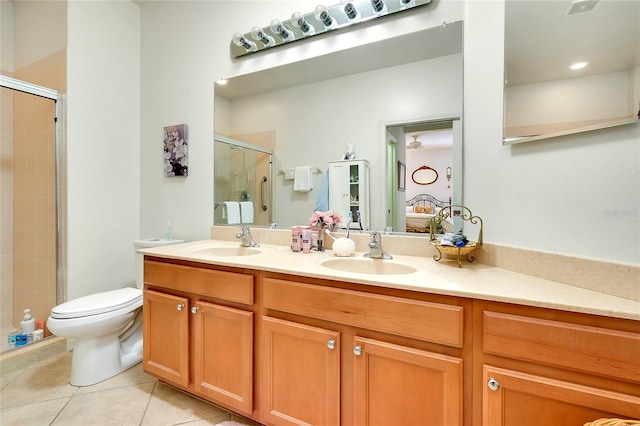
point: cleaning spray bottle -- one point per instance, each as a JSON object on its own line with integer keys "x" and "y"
{"x": 28, "y": 324}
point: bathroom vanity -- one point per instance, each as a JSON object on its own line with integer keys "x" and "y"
{"x": 280, "y": 338}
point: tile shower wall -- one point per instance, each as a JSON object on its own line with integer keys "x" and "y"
{"x": 34, "y": 248}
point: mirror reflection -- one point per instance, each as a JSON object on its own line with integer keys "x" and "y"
{"x": 242, "y": 182}
{"x": 570, "y": 67}
{"x": 357, "y": 106}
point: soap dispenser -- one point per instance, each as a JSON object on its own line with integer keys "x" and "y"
{"x": 28, "y": 324}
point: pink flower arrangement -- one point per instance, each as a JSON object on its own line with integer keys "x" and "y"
{"x": 326, "y": 218}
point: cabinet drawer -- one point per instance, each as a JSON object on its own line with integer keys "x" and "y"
{"x": 433, "y": 322}
{"x": 231, "y": 286}
{"x": 585, "y": 348}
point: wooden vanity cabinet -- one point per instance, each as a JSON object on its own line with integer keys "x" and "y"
{"x": 335, "y": 356}
{"x": 195, "y": 336}
{"x": 542, "y": 367}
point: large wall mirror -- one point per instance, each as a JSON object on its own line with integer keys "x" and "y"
{"x": 570, "y": 66}
{"x": 375, "y": 98}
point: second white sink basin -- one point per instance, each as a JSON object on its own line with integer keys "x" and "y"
{"x": 369, "y": 266}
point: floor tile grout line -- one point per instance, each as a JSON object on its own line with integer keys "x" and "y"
{"x": 146, "y": 408}
{"x": 60, "y": 411}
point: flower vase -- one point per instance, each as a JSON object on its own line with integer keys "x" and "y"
{"x": 320, "y": 237}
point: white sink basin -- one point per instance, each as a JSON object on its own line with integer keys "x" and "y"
{"x": 369, "y": 266}
{"x": 229, "y": 250}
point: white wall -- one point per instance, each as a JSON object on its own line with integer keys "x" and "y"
{"x": 6, "y": 36}
{"x": 576, "y": 195}
{"x": 103, "y": 139}
{"x": 436, "y": 158}
{"x": 41, "y": 31}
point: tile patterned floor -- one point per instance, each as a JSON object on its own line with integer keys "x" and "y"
{"x": 41, "y": 395}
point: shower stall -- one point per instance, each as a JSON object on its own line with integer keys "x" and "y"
{"x": 32, "y": 215}
{"x": 242, "y": 173}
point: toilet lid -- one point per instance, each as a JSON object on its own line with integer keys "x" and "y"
{"x": 98, "y": 303}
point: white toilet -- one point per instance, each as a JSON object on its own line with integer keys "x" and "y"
{"x": 107, "y": 327}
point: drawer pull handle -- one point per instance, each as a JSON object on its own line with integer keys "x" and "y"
{"x": 180, "y": 306}
{"x": 194, "y": 310}
{"x": 331, "y": 344}
{"x": 357, "y": 350}
{"x": 493, "y": 384}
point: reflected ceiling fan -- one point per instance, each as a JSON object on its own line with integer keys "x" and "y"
{"x": 415, "y": 143}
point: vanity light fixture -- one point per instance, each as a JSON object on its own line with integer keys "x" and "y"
{"x": 259, "y": 35}
{"x": 240, "y": 40}
{"x": 279, "y": 28}
{"x": 297, "y": 19}
{"x": 323, "y": 16}
{"x": 323, "y": 19}
{"x": 578, "y": 65}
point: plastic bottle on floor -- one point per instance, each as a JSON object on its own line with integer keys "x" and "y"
{"x": 28, "y": 324}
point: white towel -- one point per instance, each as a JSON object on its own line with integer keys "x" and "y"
{"x": 246, "y": 211}
{"x": 289, "y": 174}
{"x": 233, "y": 212}
{"x": 303, "y": 179}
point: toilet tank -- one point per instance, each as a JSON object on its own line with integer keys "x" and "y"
{"x": 147, "y": 243}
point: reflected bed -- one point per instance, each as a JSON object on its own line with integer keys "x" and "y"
{"x": 419, "y": 211}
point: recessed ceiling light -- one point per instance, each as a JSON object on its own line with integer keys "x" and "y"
{"x": 221, "y": 82}
{"x": 578, "y": 65}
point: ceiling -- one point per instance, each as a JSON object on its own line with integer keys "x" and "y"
{"x": 431, "y": 139}
{"x": 541, "y": 41}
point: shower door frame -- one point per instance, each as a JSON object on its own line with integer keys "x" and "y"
{"x": 59, "y": 99}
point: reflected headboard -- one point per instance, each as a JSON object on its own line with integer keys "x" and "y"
{"x": 427, "y": 200}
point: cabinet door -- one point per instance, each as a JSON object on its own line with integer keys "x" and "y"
{"x": 398, "y": 385}
{"x": 519, "y": 399}
{"x": 224, "y": 355}
{"x": 166, "y": 336}
{"x": 300, "y": 374}
{"x": 339, "y": 189}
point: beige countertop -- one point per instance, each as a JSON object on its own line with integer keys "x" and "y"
{"x": 474, "y": 280}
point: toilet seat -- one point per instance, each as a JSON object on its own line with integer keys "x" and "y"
{"x": 99, "y": 303}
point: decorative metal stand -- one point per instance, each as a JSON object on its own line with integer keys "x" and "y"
{"x": 458, "y": 252}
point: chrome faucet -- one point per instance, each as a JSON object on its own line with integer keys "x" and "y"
{"x": 375, "y": 248}
{"x": 246, "y": 240}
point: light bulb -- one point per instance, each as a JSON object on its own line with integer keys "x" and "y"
{"x": 407, "y": 3}
{"x": 240, "y": 40}
{"x": 378, "y": 6}
{"x": 297, "y": 19}
{"x": 259, "y": 35}
{"x": 323, "y": 16}
{"x": 278, "y": 28}
{"x": 349, "y": 9}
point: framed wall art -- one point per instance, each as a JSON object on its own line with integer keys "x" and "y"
{"x": 402, "y": 176}
{"x": 176, "y": 150}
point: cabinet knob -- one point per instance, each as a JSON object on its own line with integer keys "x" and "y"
{"x": 194, "y": 309}
{"x": 180, "y": 306}
{"x": 357, "y": 350}
{"x": 331, "y": 344}
{"x": 493, "y": 384}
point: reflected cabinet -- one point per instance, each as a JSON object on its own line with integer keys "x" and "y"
{"x": 349, "y": 191}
